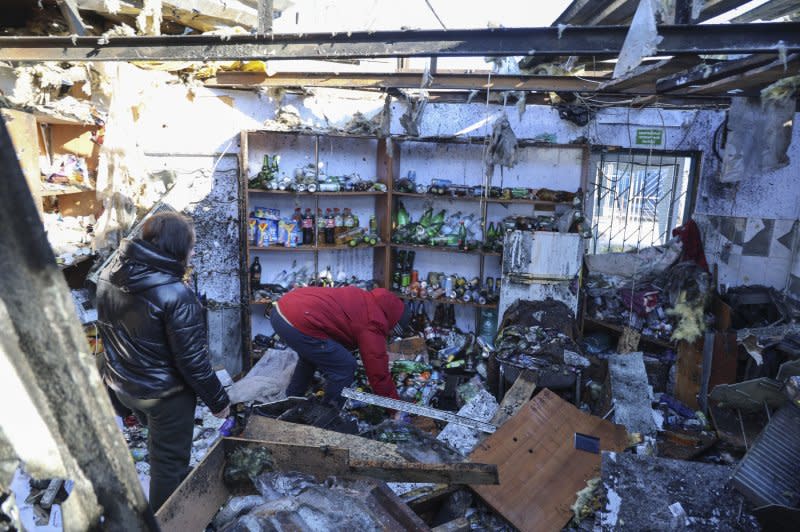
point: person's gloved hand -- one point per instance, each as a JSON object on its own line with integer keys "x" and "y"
{"x": 225, "y": 412}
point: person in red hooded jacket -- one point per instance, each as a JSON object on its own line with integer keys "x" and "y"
{"x": 324, "y": 326}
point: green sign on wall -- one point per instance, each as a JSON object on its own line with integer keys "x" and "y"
{"x": 649, "y": 137}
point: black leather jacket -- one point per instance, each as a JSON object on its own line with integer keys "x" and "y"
{"x": 153, "y": 328}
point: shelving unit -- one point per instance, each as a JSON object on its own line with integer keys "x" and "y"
{"x": 343, "y": 155}
{"x": 551, "y": 166}
{"x": 557, "y": 167}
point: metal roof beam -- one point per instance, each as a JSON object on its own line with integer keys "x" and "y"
{"x": 593, "y": 40}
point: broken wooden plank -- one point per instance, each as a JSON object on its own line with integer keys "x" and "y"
{"x": 689, "y": 372}
{"x": 320, "y": 461}
{"x": 401, "y": 80}
{"x": 629, "y": 340}
{"x": 539, "y": 465}
{"x": 751, "y": 81}
{"x": 457, "y": 473}
{"x": 264, "y": 428}
{"x": 516, "y": 397}
{"x": 643, "y": 78}
{"x": 49, "y": 495}
{"x": 431, "y": 500}
{"x": 456, "y": 525}
{"x": 707, "y": 73}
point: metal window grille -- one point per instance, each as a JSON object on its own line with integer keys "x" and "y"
{"x": 637, "y": 198}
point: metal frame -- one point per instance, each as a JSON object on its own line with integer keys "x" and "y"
{"x": 599, "y": 41}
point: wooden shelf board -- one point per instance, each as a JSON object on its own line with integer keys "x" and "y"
{"x": 446, "y": 301}
{"x": 321, "y": 247}
{"x": 538, "y": 203}
{"x": 295, "y": 193}
{"x": 442, "y": 249}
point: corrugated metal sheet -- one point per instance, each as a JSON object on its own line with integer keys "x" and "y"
{"x": 770, "y": 471}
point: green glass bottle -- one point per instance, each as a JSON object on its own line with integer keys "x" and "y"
{"x": 402, "y": 215}
{"x": 425, "y": 221}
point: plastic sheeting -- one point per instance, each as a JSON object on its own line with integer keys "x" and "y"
{"x": 268, "y": 379}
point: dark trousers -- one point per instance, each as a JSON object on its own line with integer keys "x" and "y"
{"x": 332, "y": 359}
{"x": 170, "y": 422}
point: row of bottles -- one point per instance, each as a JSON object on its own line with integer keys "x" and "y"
{"x": 335, "y": 227}
{"x": 455, "y": 230}
{"x": 309, "y": 178}
{"x": 303, "y": 276}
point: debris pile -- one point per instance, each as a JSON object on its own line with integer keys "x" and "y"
{"x": 649, "y": 291}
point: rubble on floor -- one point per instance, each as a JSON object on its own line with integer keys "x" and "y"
{"x": 649, "y": 493}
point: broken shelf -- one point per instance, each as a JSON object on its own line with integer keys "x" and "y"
{"x": 446, "y": 301}
{"x": 318, "y": 193}
{"x": 618, "y": 328}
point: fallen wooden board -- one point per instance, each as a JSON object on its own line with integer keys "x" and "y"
{"x": 457, "y": 473}
{"x": 264, "y": 428}
{"x": 322, "y": 461}
{"x": 689, "y": 372}
{"x": 203, "y": 492}
{"x": 540, "y": 468}
{"x": 515, "y": 398}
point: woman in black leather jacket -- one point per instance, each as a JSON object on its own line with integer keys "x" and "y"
{"x": 154, "y": 333}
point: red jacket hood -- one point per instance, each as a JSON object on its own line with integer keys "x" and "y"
{"x": 391, "y": 305}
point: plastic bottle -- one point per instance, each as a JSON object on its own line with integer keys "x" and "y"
{"x": 330, "y": 227}
{"x": 308, "y": 228}
{"x": 348, "y": 219}
{"x": 338, "y": 223}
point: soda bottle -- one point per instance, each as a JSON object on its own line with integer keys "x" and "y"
{"x": 308, "y": 228}
{"x": 338, "y": 223}
{"x": 330, "y": 227}
{"x": 255, "y": 274}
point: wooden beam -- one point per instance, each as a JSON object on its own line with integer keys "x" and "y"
{"x": 264, "y": 16}
{"x": 713, "y": 8}
{"x": 643, "y": 78}
{"x": 320, "y": 461}
{"x": 457, "y": 473}
{"x": 771, "y": 10}
{"x": 616, "y": 12}
{"x": 264, "y": 428}
{"x": 706, "y": 73}
{"x": 752, "y": 81}
{"x": 516, "y": 397}
{"x": 70, "y": 13}
{"x": 404, "y": 80}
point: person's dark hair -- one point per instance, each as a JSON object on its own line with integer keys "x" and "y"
{"x": 171, "y": 232}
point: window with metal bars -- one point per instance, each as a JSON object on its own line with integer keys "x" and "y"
{"x": 637, "y": 198}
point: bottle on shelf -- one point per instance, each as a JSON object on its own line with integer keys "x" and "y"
{"x": 255, "y": 275}
{"x": 373, "y": 225}
{"x": 338, "y": 223}
{"x": 308, "y": 228}
{"x": 330, "y": 227}
{"x": 348, "y": 220}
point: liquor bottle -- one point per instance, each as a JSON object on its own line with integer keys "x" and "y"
{"x": 462, "y": 236}
{"x": 402, "y": 215}
{"x": 255, "y": 275}
{"x": 425, "y": 220}
{"x": 297, "y": 217}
